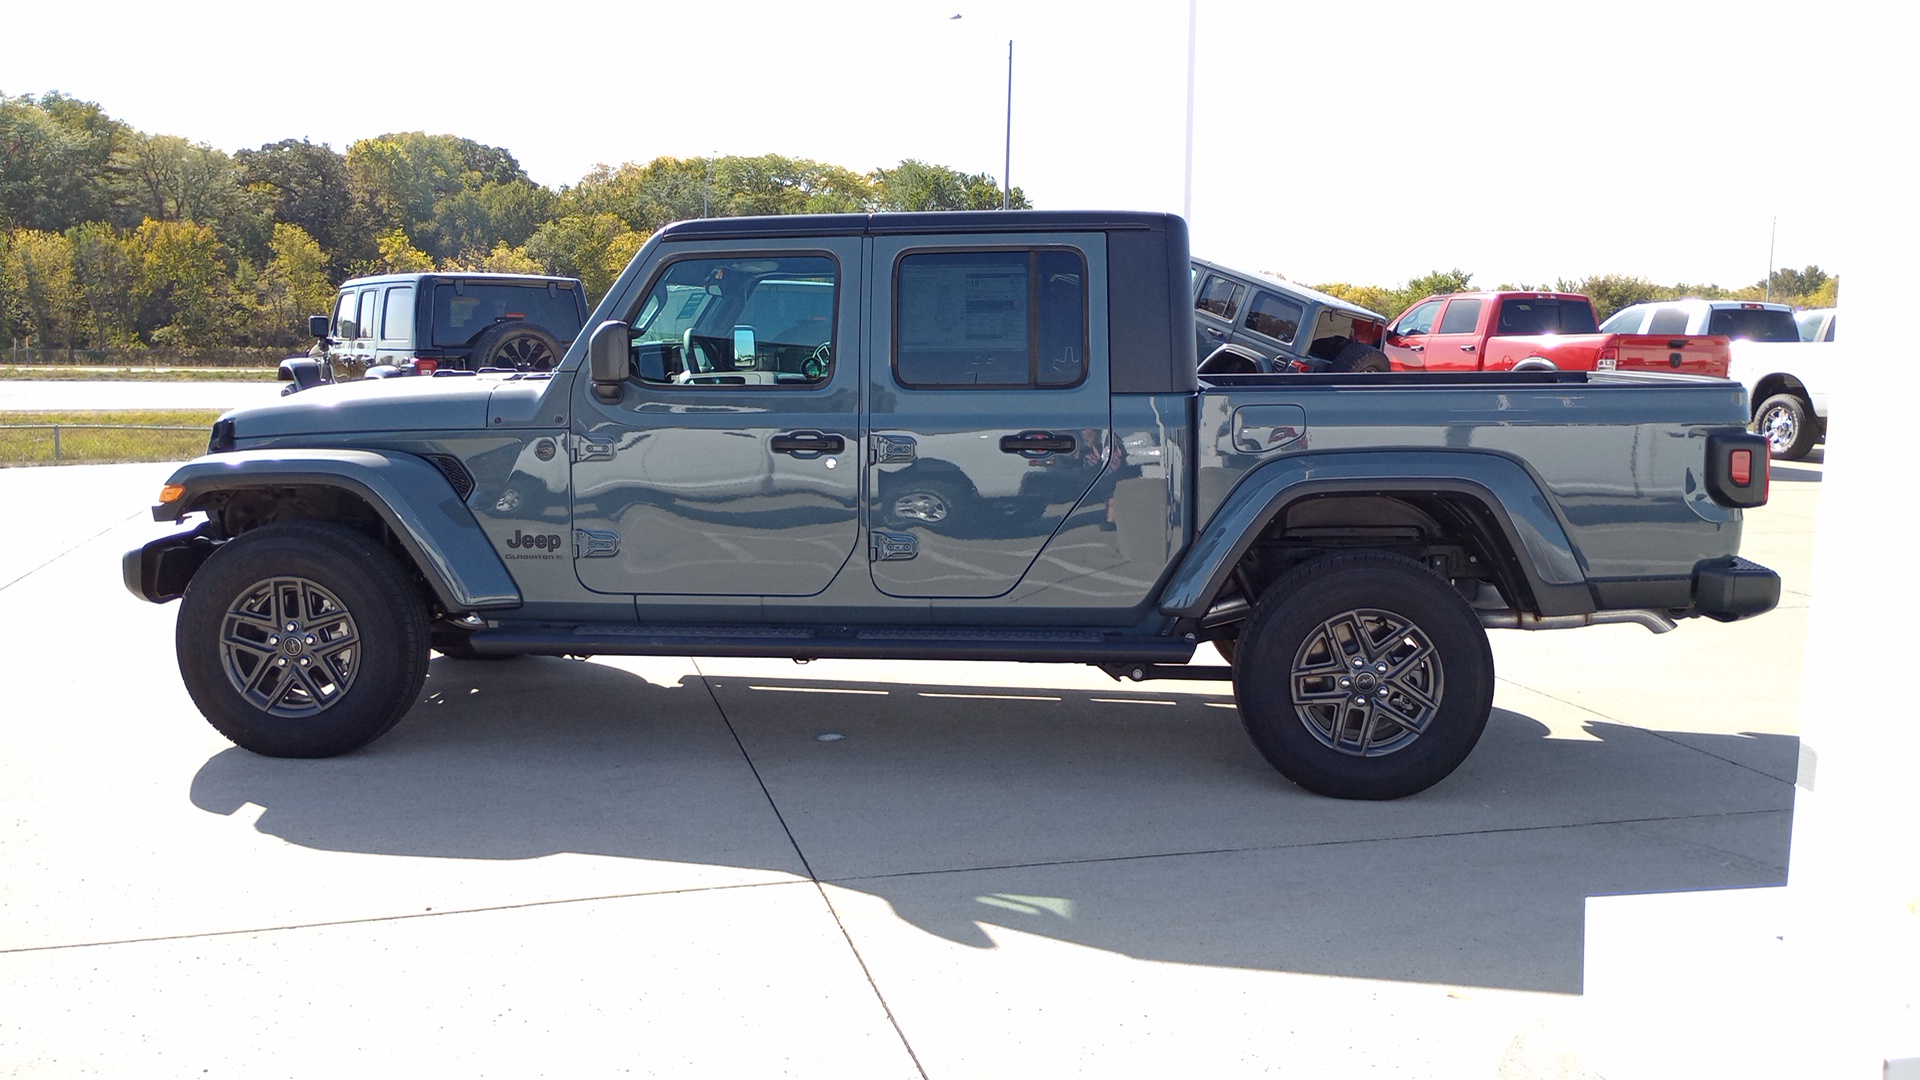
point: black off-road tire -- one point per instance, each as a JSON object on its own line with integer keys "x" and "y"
{"x": 522, "y": 346}
{"x": 1359, "y": 356}
{"x": 1789, "y": 426}
{"x": 303, "y": 639}
{"x": 1364, "y": 676}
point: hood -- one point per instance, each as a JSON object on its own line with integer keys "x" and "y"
{"x": 382, "y": 406}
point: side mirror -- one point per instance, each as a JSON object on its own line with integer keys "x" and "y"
{"x": 610, "y": 359}
{"x": 318, "y": 325}
{"x": 743, "y": 347}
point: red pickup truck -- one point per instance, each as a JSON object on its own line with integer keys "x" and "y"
{"x": 1536, "y": 331}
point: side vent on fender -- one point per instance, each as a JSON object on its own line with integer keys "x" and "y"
{"x": 456, "y": 473}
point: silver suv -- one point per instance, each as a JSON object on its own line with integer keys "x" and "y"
{"x": 1252, "y": 322}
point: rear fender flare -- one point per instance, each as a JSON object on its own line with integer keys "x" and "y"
{"x": 411, "y": 496}
{"x": 1509, "y": 493}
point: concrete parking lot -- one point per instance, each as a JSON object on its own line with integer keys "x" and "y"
{"x": 729, "y": 868}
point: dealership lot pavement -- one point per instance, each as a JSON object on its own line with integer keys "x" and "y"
{"x": 661, "y": 867}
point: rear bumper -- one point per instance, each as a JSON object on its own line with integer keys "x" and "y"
{"x": 1731, "y": 587}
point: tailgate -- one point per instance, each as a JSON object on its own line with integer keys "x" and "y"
{"x": 1697, "y": 354}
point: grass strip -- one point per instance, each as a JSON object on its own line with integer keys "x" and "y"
{"x": 38, "y": 373}
{"x": 96, "y": 437}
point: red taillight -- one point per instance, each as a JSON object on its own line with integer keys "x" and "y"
{"x": 1741, "y": 467}
{"x": 424, "y": 366}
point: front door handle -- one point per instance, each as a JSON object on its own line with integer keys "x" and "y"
{"x": 1037, "y": 443}
{"x": 808, "y": 442}
{"x": 1469, "y": 348}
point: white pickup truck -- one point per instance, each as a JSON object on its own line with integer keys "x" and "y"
{"x": 1784, "y": 359}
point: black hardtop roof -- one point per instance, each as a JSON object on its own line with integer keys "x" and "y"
{"x": 942, "y": 221}
{"x": 479, "y": 276}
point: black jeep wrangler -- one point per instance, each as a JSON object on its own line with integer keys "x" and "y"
{"x": 417, "y": 324}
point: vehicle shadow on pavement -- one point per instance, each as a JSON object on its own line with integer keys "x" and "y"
{"x": 1138, "y": 821}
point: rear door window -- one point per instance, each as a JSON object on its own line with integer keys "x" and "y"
{"x": 1463, "y": 317}
{"x": 1668, "y": 321}
{"x": 978, "y": 319}
{"x": 396, "y": 322}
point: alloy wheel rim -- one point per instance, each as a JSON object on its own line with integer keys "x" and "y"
{"x": 1367, "y": 682}
{"x": 289, "y": 647}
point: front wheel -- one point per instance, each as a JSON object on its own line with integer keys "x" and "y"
{"x": 1364, "y": 676}
{"x": 1788, "y": 425}
{"x": 302, "y": 639}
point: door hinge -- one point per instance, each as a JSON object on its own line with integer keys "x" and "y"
{"x": 891, "y": 450}
{"x": 595, "y": 544}
{"x": 585, "y": 449}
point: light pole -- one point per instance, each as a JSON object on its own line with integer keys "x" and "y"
{"x": 1193, "y": 21}
{"x": 1006, "y": 167}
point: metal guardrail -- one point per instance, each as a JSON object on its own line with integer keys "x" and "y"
{"x": 73, "y": 444}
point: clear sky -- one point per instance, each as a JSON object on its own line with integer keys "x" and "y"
{"x": 1345, "y": 141}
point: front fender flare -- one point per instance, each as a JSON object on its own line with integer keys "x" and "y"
{"x": 1510, "y": 494}
{"x": 412, "y": 496}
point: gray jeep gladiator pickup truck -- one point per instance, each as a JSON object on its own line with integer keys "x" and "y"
{"x": 949, "y": 436}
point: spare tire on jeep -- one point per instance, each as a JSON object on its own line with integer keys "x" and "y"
{"x": 1359, "y": 356}
{"x": 522, "y": 346}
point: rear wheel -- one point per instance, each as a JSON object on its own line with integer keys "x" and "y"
{"x": 1364, "y": 676}
{"x": 302, "y": 639}
{"x": 1787, "y": 423}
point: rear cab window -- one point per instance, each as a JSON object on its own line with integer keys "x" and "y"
{"x": 1754, "y": 324}
{"x": 462, "y": 311}
{"x": 1528, "y": 316}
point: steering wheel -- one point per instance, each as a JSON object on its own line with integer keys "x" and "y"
{"x": 816, "y": 364}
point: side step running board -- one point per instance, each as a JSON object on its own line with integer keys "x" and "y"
{"x": 812, "y": 643}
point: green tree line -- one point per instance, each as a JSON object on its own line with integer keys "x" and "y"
{"x": 1807, "y": 288}
{"x": 112, "y": 238}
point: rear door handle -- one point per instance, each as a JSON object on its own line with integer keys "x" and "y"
{"x": 808, "y": 442}
{"x": 1469, "y": 348}
{"x": 1037, "y": 443}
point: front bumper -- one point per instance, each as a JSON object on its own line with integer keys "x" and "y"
{"x": 158, "y": 571}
